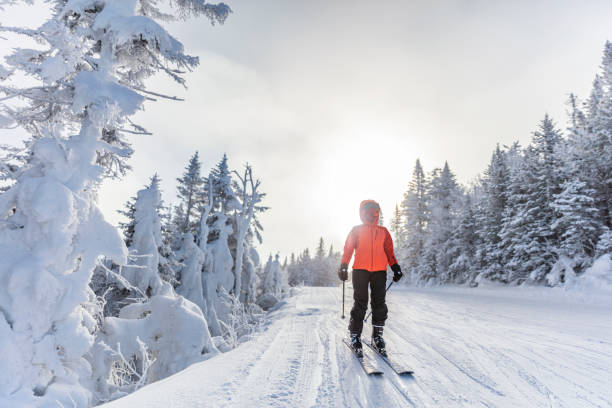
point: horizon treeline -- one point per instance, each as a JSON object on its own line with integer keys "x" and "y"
{"x": 313, "y": 270}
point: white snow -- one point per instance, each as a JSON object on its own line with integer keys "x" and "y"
{"x": 495, "y": 347}
{"x": 596, "y": 279}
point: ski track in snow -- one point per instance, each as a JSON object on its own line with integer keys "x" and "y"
{"x": 468, "y": 348}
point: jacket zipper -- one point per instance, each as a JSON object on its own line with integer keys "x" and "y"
{"x": 372, "y": 252}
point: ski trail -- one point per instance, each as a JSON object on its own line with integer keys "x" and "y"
{"x": 513, "y": 356}
{"x": 467, "y": 349}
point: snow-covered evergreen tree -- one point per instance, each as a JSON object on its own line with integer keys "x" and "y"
{"x": 604, "y": 244}
{"x": 547, "y": 142}
{"x": 192, "y": 260}
{"x": 578, "y": 226}
{"x": 490, "y": 215}
{"x": 396, "y": 228}
{"x": 190, "y": 186}
{"x": 220, "y": 179}
{"x": 272, "y": 282}
{"x": 463, "y": 244}
{"x": 443, "y": 197}
{"x": 531, "y": 247}
{"x": 145, "y": 240}
{"x": 222, "y": 264}
{"x": 320, "y": 251}
{"x": 415, "y": 215}
{"x": 535, "y": 243}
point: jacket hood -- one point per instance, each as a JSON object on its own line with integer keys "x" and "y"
{"x": 364, "y": 211}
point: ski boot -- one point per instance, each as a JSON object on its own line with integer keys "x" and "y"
{"x": 377, "y": 340}
{"x": 355, "y": 340}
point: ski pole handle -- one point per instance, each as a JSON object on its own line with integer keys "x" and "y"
{"x": 366, "y": 318}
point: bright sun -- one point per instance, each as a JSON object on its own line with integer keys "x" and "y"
{"x": 361, "y": 164}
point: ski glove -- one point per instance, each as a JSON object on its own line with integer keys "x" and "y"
{"x": 397, "y": 272}
{"x": 343, "y": 272}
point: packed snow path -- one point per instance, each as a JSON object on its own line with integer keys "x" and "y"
{"x": 469, "y": 348}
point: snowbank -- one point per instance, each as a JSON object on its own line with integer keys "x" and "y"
{"x": 596, "y": 279}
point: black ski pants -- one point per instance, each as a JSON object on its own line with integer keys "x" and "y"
{"x": 377, "y": 281}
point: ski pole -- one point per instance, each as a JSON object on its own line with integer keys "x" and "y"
{"x": 343, "y": 299}
{"x": 366, "y": 318}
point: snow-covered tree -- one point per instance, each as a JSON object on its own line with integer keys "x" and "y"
{"x": 272, "y": 279}
{"x": 415, "y": 215}
{"x": 189, "y": 188}
{"x": 87, "y": 80}
{"x": 220, "y": 180}
{"x": 145, "y": 240}
{"x": 443, "y": 197}
{"x": 320, "y": 251}
{"x": 490, "y": 215}
{"x": 578, "y": 226}
{"x": 547, "y": 142}
{"x": 396, "y": 228}
{"x": 222, "y": 262}
{"x": 604, "y": 244}
{"x": 246, "y": 206}
{"x": 463, "y": 244}
{"x": 192, "y": 260}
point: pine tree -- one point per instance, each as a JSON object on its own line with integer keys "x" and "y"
{"x": 190, "y": 194}
{"x": 331, "y": 253}
{"x": 463, "y": 243}
{"x": 443, "y": 195}
{"x": 599, "y": 126}
{"x": 305, "y": 266}
{"x": 512, "y": 224}
{"x": 415, "y": 215}
{"x": 220, "y": 179}
{"x": 128, "y": 226}
{"x": 320, "y": 252}
{"x": 578, "y": 226}
{"x": 396, "y": 227}
{"x": 604, "y": 243}
{"x": 547, "y": 141}
{"x": 534, "y": 241}
{"x": 145, "y": 240}
{"x": 490, "y": 215}
{"x": 167, "y": 264}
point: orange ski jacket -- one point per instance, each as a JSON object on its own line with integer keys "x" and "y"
{"x": 372, "y": 243}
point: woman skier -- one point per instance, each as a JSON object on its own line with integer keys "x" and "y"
{"x": 373, "y": 247}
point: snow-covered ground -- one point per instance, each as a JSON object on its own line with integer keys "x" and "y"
{"x": 501, "y": 347}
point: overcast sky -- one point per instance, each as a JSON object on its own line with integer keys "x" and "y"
{"x": 333, "y": 101}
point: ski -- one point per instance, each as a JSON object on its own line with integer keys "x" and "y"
{"x": 365, "y": 361}
{"x": 398, "y": 367}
